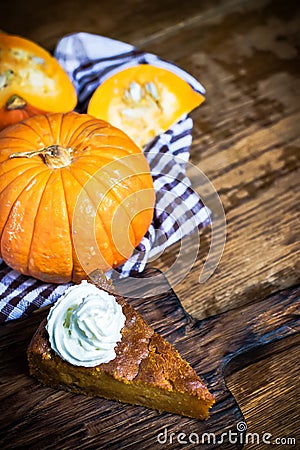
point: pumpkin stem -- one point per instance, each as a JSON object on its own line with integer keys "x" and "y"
{"x": 15, "y": 102}
{"x": 54, "y": 156}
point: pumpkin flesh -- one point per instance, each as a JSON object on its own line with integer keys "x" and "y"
{"x": 58, "y": 223}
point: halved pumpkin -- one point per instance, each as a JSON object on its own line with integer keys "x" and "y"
{"x": 143, "y": 101}
{"x": 31, "y": 81}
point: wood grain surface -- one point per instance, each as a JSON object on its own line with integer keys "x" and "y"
{"x": 246, "y": 140}
{"x": 278, "y": 413}
{"x": 42, "y": 418}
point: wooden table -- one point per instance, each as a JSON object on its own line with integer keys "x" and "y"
{"x": 246, "y": 141}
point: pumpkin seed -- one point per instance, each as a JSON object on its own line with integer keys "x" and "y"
{"x": 127, "y": 95}
{"x": 131, "y": 113}
{"x": 152, "y": 90}
{"x": 37, "y": 60}
{"x": 135, "y": 91}
{"x": 5, "y": 78}
{"x": 2, "y": 80}
{"x": 19, "y": 53}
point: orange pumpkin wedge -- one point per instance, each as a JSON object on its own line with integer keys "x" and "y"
{"x": 143, "y": 101}
{"x": 76, "y": 194}
{"x": 31, "y": 81}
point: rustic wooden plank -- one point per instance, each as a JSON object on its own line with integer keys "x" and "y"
{"x": 269, "y": 401}
{"x": 40, "y": 417}
{"x": 262, "y": 249}
{"x": 135, "y": 21}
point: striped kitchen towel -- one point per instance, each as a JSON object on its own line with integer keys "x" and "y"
{"x": 89, "y": 60}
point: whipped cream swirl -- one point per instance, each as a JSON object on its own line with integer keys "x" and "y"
{"x": 85, "y": 324}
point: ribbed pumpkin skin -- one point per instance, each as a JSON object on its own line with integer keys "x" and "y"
{"x": 49, "y": 224}
{"x": 8, "y": 117}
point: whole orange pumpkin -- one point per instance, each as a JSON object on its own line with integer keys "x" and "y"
{"x": 76, "y": 194}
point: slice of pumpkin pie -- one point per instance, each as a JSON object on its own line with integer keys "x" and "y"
{"x": 93, "y": 342}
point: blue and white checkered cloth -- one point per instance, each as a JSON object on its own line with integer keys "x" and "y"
{"x": 89, "y": 60}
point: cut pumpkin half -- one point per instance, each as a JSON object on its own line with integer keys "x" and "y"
{"x": 143, "y": 101}
{"x": 31, "y": 81}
